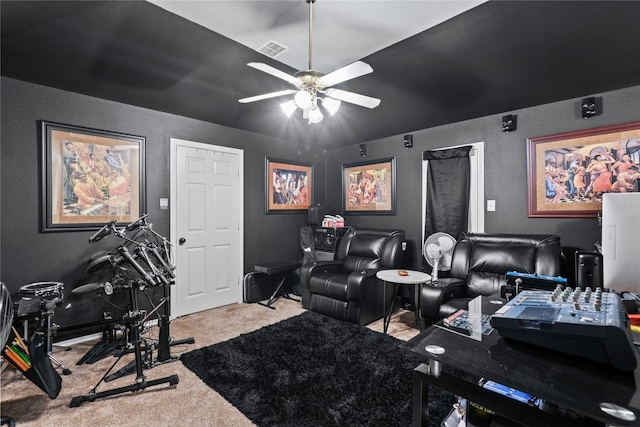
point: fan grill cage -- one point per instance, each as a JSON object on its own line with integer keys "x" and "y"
{"x": 444, "y": 244}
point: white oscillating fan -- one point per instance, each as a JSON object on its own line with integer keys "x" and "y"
{"x": 438, "y": 251}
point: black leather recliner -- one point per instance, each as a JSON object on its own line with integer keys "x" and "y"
{"x": 347, "y": 288}
{"x": 479, "y": 265}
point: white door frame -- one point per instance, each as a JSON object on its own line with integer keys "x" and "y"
{"x": 175, "y": 142}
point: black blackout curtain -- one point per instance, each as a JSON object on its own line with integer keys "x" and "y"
{"x": 448, "y": 183}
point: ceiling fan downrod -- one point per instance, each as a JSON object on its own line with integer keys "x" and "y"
{"x": 310, "y": 2}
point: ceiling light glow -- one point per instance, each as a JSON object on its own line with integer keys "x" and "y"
{"x": 303, "y": 99}
{"x": 315, "y": 115}
{"x": 332, "y": 105}
{"x": 289, "y": 107}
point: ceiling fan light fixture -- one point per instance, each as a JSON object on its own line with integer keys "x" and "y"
{"x": 302, "y": 99}
{"x": 332, "y": 105}
{"x": 315, "y": 115}
{"x": 311, "y": 85}
{"x": 289, "y": 107}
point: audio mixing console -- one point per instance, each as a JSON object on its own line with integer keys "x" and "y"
{"x": 586, "y": 323}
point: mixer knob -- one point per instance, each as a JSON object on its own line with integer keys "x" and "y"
{"x": 596, "y": 306}
{"x": 576, "y": 305}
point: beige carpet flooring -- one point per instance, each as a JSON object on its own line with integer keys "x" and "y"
{"x": 190, "y": 403}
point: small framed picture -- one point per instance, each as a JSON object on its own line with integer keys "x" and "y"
{"x": 369, "y": 187}
{"x": 288, "y": 185}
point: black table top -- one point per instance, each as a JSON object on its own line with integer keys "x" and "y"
{"x": 567, "y": 381}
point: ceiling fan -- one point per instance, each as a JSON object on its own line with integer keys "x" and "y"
{"x": 312, "y": 86}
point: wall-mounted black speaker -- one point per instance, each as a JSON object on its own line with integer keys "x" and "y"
{"x": 589, "y": 107}
{"x": 408, "y": 141}
{"x": 509, "y": 123}
{"x": 363, "y": 149}
{"x": 588, "y": 270}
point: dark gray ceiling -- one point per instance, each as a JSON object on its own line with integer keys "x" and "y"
{"x": 495, "y": 58}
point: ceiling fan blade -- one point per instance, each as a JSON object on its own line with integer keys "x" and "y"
{"x": 353, "y": 98}
{"x": 275, "y": 72}
{"x": 345, "y": 73}
{"x": 267, "y": 96}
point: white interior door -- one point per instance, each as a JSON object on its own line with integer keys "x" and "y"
{"x": 206, "y": 223}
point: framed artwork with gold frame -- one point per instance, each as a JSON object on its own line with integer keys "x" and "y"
{"x": 369, "y": 187}
{"x": 569, "y": 172}
{"x": 288, "y": 185}
{"x": 90, "y": 177}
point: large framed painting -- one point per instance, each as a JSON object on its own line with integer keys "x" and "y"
{"x": 569, "y": 172}
{"x": 289, "y": 186}
{"x": 369, "y": 187}
{"x": 90, "y": 177}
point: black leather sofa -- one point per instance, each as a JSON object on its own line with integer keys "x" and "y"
{"x": 347, "y": 288}
{"x": 479, "y": 265}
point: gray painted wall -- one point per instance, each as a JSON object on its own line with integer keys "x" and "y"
{"x": 28, "y": 256}
{"x": 505, "y": 168}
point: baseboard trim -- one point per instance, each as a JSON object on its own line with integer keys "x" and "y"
{"x": 98, "y": 335}
{"x": 78, "y": 340}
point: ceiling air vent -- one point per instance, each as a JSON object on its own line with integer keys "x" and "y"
{"x": 273, "y": 49}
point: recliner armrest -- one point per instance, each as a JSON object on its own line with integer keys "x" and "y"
{"x": 360, "y": 275}
{"x": 432, "y": 297}
{"x": 307, "y": 270}
{"x": 356, "y": 280}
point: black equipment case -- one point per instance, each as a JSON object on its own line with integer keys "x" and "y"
{"x": 317, "y": 213}
{"x": 270, "y": 281}
{"x": 258, "y": 286}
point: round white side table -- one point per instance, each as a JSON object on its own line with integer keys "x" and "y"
{"x": 413, "y": 278}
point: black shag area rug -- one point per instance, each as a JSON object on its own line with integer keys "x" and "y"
{"x": 312, "y": 370}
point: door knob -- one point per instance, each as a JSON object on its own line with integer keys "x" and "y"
{"x": 182, "y": 241}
